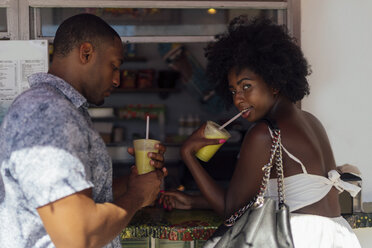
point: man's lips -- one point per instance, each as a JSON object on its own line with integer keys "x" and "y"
{"x": 108, "y": 92}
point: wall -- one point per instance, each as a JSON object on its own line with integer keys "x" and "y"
{"x": 336, "y": 36}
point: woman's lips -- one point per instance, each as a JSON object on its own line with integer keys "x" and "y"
{"x": 246, "y": 112}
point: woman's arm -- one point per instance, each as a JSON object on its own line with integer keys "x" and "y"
{"x": 180, "y": 200}
{"x": 213, "y": 193}
{"x": 247, "y": 176}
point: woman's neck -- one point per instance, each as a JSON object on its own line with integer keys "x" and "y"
{"x": 281, "y": 107}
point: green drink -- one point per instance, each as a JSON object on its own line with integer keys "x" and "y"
{"x": 141, "y": 148}
{"x": 211, "y": 131}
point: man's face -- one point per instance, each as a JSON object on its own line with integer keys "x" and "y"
{"x": 104, "y": 72}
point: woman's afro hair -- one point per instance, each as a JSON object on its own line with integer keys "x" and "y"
{"x": 262, "y": 47}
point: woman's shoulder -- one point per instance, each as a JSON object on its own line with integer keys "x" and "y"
{"x": 315, "y": 123}
{"x": 258, "y": 134}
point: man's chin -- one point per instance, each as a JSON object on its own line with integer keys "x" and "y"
{"x": 97, "y": 103}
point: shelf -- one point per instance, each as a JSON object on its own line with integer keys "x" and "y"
{"x": 146, "y": 90}
{"x": 135, "y": 59}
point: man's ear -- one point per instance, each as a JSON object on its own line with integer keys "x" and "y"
{"x": 85, "y": 52}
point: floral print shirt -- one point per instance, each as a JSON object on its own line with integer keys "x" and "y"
{"x": 48, "y": 150}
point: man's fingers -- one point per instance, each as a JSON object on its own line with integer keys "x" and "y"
{"x": 134, "y": 170}
{"x": 160, "y": 174}
{"x": 161, "y": 148}
{"x": 130, "y": 150}
{"x": 165, "y": 171}
{"x": 156, "y": 156}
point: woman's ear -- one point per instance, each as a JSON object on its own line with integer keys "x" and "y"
{"x": 275, "y": 91}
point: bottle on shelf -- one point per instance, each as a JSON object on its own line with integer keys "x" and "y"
{"x": 181, "y": 126}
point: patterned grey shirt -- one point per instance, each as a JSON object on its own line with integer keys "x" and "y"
{"x": 49, "y": 150}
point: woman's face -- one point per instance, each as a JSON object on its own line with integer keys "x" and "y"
{"x": 250, "y": 92}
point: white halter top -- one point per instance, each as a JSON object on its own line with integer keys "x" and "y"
{"x": 304, "y": 189}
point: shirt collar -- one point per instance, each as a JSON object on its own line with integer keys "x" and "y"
{"x": 70, "y": 92}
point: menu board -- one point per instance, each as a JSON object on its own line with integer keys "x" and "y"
{"x": 18, "y": 60}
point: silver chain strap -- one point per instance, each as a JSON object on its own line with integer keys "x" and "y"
{"x": 258, "y": 200}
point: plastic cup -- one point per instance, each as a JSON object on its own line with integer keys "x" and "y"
{"x": 141, "y": 148}
{"x": 211, "y": 131}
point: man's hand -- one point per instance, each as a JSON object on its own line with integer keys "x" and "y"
{"x": 157, "y": 159}
{"x": 145, "y": 188}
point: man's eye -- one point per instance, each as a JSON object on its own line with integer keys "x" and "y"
{"x": 233, "y": 92}
{"x": 246, "y": 86}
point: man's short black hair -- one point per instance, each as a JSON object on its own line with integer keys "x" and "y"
{"x": 79, "y": 29}
{"x": 264, "y": 48}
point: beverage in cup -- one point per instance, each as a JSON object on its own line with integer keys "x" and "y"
{"x": 211, "y": 131}
{"x": 141, "y": 149}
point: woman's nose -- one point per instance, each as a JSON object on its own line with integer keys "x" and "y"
{"x": 239, "y": 94}
{"x": 238, "y": 97}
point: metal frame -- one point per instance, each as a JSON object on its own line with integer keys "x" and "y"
{"x": 31, "y": 27}
{"x": 156, "y": 4}
{"x": 11, "y": 18}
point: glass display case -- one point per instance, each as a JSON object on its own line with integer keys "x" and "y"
{"x": 151, "y": 21}
{"x": 145, "y": 24}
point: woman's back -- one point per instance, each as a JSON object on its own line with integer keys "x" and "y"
{"x": 304, "y": 137}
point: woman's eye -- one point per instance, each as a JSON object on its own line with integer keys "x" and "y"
{"x": 246, "y": 86}
{"x": 233, "y": 92}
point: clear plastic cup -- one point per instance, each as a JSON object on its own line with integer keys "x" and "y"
{"x": 141, "y": 148}
{"x": 211, "y": 131}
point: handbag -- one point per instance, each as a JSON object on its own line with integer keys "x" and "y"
{"x": 259, "y": 223}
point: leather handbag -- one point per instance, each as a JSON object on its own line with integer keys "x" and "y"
{"x": 260, "y": 223}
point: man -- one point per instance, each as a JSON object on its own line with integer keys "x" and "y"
{"x": 56, "y": 174}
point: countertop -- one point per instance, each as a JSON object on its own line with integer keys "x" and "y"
{"x": 188, "y": 225}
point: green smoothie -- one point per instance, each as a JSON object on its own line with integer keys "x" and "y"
{"x": 211, "y": 131}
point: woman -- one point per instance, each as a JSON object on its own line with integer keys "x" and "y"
{"x": 257, "y": 67}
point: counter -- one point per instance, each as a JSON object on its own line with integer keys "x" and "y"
{"x": 191, "y": 225}
{"x": 176, "y": 225}
{"x": 359, "y": 220}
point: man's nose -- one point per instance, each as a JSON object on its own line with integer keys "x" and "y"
{"x": 116, "y": 79}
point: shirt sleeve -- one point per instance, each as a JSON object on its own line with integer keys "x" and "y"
{"x": 46, "y": 174}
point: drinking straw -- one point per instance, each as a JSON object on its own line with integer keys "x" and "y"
{"x": 232, "y": 119}
{"x": 147, "y": 126}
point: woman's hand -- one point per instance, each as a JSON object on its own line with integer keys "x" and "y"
{"x": 176, "y": 199}
{"x": 197, "y": 140}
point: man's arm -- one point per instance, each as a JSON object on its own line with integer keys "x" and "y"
{"x": 119, "y": 186}
{"x": 77, "y": 221}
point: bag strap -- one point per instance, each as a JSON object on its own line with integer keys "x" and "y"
{"x": 275, "y": 159}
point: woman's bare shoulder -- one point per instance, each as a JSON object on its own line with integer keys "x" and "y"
{"x": 257, "y": 136}
{"x": 315, "y": 123}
